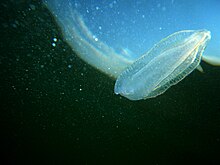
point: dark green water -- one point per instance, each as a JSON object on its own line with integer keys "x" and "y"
{"x": 55, "y": 108}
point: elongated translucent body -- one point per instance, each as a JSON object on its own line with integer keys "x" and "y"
{"x": 167, "y": 63}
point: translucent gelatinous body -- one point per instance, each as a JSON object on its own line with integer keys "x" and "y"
{"x": 167, "y": 63}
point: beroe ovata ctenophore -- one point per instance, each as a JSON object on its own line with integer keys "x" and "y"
{"x": 167, "y": 63}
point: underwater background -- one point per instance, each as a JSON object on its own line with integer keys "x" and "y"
{"x": 55, "y": 108}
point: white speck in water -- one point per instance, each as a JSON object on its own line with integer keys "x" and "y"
{"x": 69, "y": 66}
{"x": 97, "y": 8}
{"x": 53, "y": 44}
{"x": 100, "y": 27}
{"x": 95, "y": 38}
{"x": 55, "y": 39}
